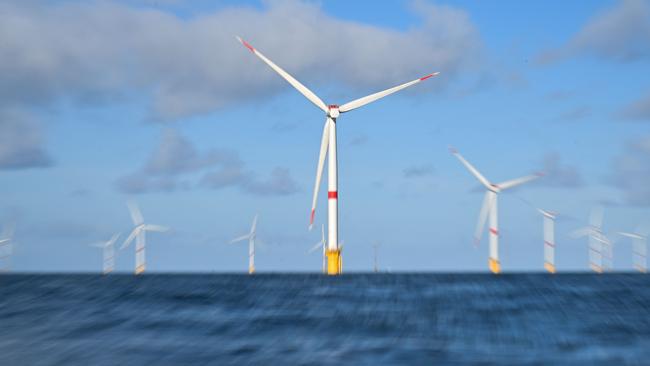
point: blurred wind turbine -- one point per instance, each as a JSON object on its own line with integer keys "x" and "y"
{"x": 640, "y": 247}
{"x": 375, "y": 246}
{"x": 321, "y": 244}
{"x": 6, "y": 247}
{"x": 328, "y": 147}
{"x": 599, "y": 244}
{"x": 251, "y": 245}
{"x": 139, "y": 234}
{"x": 549, "y": 239}
{"x": 108, "y": 253}
{"x": 489, "y": 208}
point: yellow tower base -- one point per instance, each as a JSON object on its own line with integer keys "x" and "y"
{"x": 334, "y": 262}
{"x": 495, "y": 266}
{"x": 251, "y": 269}
{"x": 139, "y": 269}
{"x": 549, "y": 267}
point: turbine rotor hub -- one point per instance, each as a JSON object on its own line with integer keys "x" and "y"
{"x": 333, "y": 111}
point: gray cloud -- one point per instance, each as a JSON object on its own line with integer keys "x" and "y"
{"x": 21, "y": 143}
{"x": 621, "y": 33}
{"x": 631, "y": 172}
{"x": 638, "y": 110}
{"x": 175, "y": 160}
{"x": 558, "y": 175}
{"x": 98, "y": 51}
{"x": 419, "y": 171}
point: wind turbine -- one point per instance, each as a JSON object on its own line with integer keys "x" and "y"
{"x": 375, "y": 246}
{"x": 599, "y": 244}
{"x": 6, "y": 247}
{"x": 108, "y": 253}
{"x": 321, "y": 244}
{"x": 251, "y": 245}
{"x": 640, "y": 247}
{"x": 489, "y": 208}
{"x": 549, "y": 239}
{"x": 328, "y": 147}
{"x": 139, "y": 234}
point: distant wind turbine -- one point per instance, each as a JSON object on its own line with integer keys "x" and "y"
{"x": 108, "y": 253}
{"x": 639, "y": 247}
{"x": 328, "y": 147}
{"x": 321, "y": 244}
{"x": 375, "y": 246}
{"x": 599, "y": 244}
{"x": 549, "y": 239}
{"x": 251, "y": 245}
{"x": 139, "y": 234}
{"x": 6, "y": 247}
{"x": 489, "y": 208}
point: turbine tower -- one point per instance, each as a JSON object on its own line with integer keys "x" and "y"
{"x": 328, "y": 147}
{"x": 375, "y": 247}
{"x": 549, "y": 239}
{"x": 108, "y": 253}
{"x": 6, "y": 247}
{"x": 251, "y": 245}
{"x": 321, "y": 244}
{"x": 599, "y": 244}
{"x": 139, "y": 234}
{"x": 489, "y": 209}
{"x": 639, "y": 247}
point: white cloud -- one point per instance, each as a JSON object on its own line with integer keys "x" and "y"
{"x": 621, "y": 33}
{"x": 97, "y": 50}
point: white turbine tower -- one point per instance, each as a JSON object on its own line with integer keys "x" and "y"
{"x": 108, "y": 253}
{"x": 139, "y": 234}
{"x": 6, "y": 247}
{"x": 639, "y": 247}
{"x": 328, "y": 147}
{"x": 549, "y": 239}
{"x": 599, "y": 244}
{"x": 321, "y": 244}
{"x": 489, "y": 209}
{"x": 251, "y": 236}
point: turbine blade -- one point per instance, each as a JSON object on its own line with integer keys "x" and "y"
{"x": 241, "y": 238}
{"x": 319, "y": 169}
{"x": 322, "y": 231}
{"x": 483, "y": 215}
{"x": 631, "y": 235}
{"x": 99, "y": 244}
{"x": 315, "y": 247}
{"x": 582, "y": 232}
{"x": 158, "y": 228}
{"x": 295, "y": 83}
{"x": 113, "y": 239}
{"x": 372, "y": 97}
{"x": 518, "y": 181}
{"x": 130, "y": 238}
{"x": 136, "y": 215}
{"x": 254, "y": 226}
{"x": 471, "y": 168}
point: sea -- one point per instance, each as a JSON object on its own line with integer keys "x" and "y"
{"x": 311, "y": 319}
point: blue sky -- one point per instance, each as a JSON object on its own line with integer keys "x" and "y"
{"x": 156, "y": 101}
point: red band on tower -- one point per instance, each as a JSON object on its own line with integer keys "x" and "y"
{"x": 332, "y": 195}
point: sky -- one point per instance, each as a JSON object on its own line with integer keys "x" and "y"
{"x": 102, "y": 102}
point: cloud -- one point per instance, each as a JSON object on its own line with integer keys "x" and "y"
{"x": 557, "y": 175}
{"x": 638, "y": 110}
{"x": 21, "y": 143}
{"x": 577, "y": 113}
{"x": 631, "y": 172}
{"x": 175, "y": 161}
{"x": 621, "y": 33}
{"x": 419, "y": 171}
{"x": 98, "y": 51}
{"x": 358, "y": 140}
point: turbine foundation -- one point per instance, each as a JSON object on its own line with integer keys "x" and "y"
{"x": 549, "y": 267}
{"x": 334, "y": 262}
{"x": 495, "y": 266}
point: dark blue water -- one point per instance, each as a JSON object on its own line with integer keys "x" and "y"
{"x": 385, "y": 319}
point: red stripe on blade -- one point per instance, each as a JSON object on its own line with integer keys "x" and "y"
{"x": 494, "y": 231}
{"x": 426, "y": 77}
{"x": 311, "y": 218}
{"x": 248, "y": 45}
